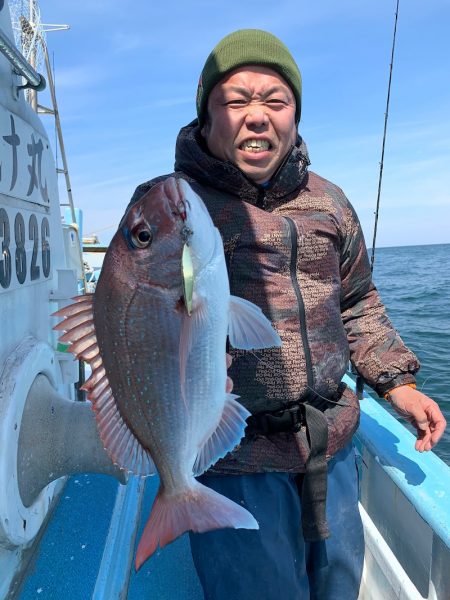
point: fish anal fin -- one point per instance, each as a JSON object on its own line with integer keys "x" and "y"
{"x": 248, "y": 328}
{"x": 226, "y": 436}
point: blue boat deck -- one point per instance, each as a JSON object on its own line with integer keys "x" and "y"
{"x": 71, "y": 549}
{"x": 73, "y": 561}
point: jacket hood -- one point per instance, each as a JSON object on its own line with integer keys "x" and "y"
{"x": 193, "y": 158}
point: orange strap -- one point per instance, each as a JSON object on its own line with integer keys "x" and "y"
{"x": 387, "y": 394}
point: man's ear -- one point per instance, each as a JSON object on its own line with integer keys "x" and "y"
{"x": 205, "y": 127}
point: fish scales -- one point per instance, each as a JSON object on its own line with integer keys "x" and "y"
{"x": 161, "y": 312}
{"x": 143, "y": 366}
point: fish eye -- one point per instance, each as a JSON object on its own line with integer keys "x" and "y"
{"x": 141, "y": 237}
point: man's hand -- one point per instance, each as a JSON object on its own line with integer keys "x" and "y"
{"x": 420, "y": 411}
{"x": 229, "y": 385}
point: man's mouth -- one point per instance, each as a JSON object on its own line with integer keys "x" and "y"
{"x": 255, "y": 146}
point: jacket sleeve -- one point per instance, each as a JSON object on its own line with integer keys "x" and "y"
{"x": 376, "y": 350}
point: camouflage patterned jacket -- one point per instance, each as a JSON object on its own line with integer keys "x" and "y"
{"x": 296, "y": 249}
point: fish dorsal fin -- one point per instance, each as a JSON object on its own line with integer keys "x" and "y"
{"x": 248, "y": 328}
{"x": 227, "y": 436}
{"x": 118, "y": 439}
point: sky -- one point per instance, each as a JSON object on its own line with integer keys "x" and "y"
{"x": 126, "y": 75}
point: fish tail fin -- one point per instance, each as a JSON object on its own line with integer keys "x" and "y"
{"x": 200, "y": 509}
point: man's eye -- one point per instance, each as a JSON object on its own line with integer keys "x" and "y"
{"x": 236, "y": 102}
{"x": 275, "y": 102}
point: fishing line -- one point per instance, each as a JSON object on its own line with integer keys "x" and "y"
{"x": 278, "y": 372}
{"x": 423, "y": 384}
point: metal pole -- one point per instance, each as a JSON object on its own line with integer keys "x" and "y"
{"x": 32, "y": 58}
{"x": 58, "y": 128}
{"x": 21, "y": 66}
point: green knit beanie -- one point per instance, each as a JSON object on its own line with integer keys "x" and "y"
{"x": 248, "y": 47}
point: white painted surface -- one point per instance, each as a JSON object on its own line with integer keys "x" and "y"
{"x": 383, "y": 578}
{"x": 33, "y": 283}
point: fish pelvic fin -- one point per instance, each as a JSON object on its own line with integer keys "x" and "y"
{"x": 119, "y": 441}
{"x": 197, "y": 509}
{"x": 248, "y": 328}
{"x": 226, "y": 436}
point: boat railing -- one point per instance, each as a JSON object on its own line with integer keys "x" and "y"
{"x": 405, "y": 507}
{"x": 22, "y": 67}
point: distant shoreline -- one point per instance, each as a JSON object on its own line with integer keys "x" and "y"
{"x": 408, "y": 246}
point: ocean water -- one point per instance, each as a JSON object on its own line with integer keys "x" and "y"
{"x": 414, "y": 283}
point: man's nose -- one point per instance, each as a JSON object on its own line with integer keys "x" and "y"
{"x": 256, "y": 115}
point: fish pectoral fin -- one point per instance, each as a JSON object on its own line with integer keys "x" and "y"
{"x": 248, "y": 328}
{"x": 226, "y": 436}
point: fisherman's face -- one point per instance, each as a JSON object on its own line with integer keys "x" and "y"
{"x": 251, "y": 121}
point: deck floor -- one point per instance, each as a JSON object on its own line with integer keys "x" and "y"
{"x": 69, "y": 555}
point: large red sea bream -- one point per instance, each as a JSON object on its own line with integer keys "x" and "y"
{"x": 154, "y": 333}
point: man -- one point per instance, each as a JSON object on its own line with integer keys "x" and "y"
{"x": 294, "y": 247}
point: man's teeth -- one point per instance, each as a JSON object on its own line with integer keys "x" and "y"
{"x": 255, "y": 145}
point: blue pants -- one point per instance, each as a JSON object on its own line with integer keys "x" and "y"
{"x": 275, "y": 562}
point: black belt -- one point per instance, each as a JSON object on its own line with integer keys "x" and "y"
{"x": 289, "y": 418}
{"x": 292, "y": 417}
{"x": 308, "y": 413}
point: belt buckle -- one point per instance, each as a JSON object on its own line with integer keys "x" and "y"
{"x": 297, "y": 415}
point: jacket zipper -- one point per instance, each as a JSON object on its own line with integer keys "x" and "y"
{"x": 300, "y": 302}
{"x": 261, "y": 197}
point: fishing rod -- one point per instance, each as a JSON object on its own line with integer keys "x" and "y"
{"x": 386, "y": 116}
{"x": 359, "y": 379}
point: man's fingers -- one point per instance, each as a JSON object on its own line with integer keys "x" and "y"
{"x": 421, "y": 422}
{"x": 430, "y": 429}
{"x": 229, "y": 383}
{"x": 419, "y": 418}
{"x": 437, "y": 424}
{"x": 422, "y": 412}
{"x": 423, "y": 440}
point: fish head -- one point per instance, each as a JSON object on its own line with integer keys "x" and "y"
{"x": 148, "y": 245}
{"x": 164, "y": 240}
